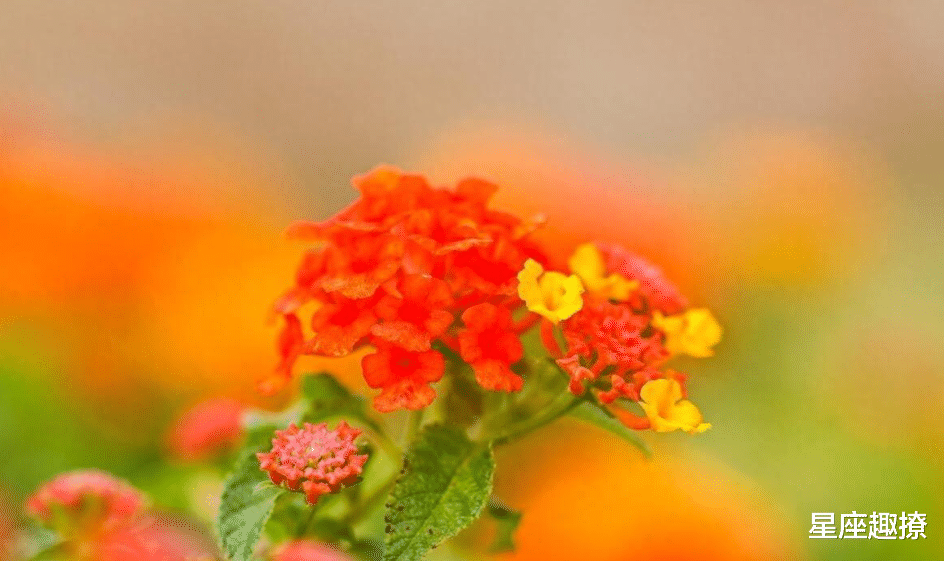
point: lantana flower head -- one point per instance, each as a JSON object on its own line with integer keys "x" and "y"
{"x": 620, "y": 338}
{"x": 411, "y": 270}
{"x": 396, "y": 270}
{"x": 84, "y": 501}
{"x": 314, "y": 459}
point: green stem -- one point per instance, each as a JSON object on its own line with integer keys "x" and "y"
{"x": 413, "y": 426}
{"x": 387, "y": 444}
{"x": 303, "y": 527}
{"x": 554, "y": 410}
{"x": 495, "y": 411}
{"x": 369, "y": 502}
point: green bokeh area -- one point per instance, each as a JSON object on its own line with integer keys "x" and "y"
{"x": 49, "y": 429}
{"x": 785, "y": 396}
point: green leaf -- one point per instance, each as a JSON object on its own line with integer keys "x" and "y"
{"x": 247, "y": 501}
{"x": 594, "y": 414}
{"x": 445, "y": 485}
{"x": 328, "y": 399}
{"x": 506, "y": 521}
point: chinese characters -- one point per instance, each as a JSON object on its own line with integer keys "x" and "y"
{"x": 877, "y": 526}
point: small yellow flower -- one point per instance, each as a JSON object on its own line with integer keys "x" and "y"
{"x": 587, "y": 262}
{"x": 667, "y": 411}
{"x": 692, "y": 333}
{"x": 553, "y": 295}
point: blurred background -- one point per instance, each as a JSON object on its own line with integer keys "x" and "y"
{"x": 782, "y": 162}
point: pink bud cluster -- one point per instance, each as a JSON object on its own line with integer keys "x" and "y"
{"x": 90, "y": 496}
{"x": 313, "y": 459}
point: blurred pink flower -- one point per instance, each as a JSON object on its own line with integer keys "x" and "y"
{"x": 83, "y": 501}
{"x": 152, "y": 539}
{"x": 307, "y": 550}
{"x": 207, "y": 428}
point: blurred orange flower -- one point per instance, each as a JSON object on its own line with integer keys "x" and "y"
{"x": 587, "y": 496}
{"x": 802, "y": 206}
{"x": 147, "y": 294}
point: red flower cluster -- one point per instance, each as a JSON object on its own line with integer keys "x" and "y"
{"x": 406, "y": 265}
{"x": 313, "y": 459}
{"x": 613, "y": 345}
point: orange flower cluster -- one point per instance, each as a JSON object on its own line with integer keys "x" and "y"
{"x": 405, "y": 266}
{"x": 410, "y": 270}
